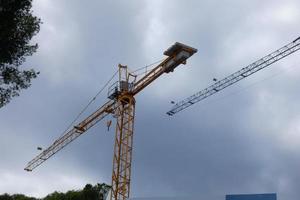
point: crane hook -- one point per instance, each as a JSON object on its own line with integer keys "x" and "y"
{"x": 108, "y": 124}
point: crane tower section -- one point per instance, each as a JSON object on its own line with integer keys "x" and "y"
{"x": 123, "y": 93}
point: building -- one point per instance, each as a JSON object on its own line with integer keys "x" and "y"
{"x": 271, "y": 196}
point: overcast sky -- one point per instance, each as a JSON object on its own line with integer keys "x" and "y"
{"x": 245, "y": 139}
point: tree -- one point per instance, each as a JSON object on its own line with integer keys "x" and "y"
{"x": 16, "y": 197}
{"x": 99, "y": 191}
{"x": 103, "y": 190}
{"x": 73, "y": 195}
{"x": 17, "y": 27}
{"x": 55, "y": 196}
{"x": 5, "y": 197}
{"x": 22, "y": 197}
{"x": 89, "y": 192}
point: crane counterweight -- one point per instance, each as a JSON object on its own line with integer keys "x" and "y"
{"x": 180, "y": 53}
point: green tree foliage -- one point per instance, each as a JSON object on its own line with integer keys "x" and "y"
{"x": 89, "y": 192}
{"x": 16, "y": 197}
{"x": 5, "y": 197}
{"x": 22, "y": 197}
{"x": 17, "y": 27}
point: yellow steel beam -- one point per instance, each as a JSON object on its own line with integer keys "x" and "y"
{"x": 123, "y": 147}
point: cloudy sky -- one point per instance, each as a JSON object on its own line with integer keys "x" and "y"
{"x": 245, "y": 139}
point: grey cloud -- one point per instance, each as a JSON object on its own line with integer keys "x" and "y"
{"x": 229, "y": 143}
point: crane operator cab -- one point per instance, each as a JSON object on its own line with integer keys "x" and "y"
{"x": 124, "y": 85}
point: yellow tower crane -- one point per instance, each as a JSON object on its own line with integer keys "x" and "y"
{"x": 122, "y": 105}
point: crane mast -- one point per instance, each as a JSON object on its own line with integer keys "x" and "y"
{"x": 124, "y": 114}
{"x": 237, "y": 76}
{"x": 177, "y": 54}
{"x": 121, "y": 105}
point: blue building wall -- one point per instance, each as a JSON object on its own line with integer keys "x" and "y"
{"x": 251, "y": 197}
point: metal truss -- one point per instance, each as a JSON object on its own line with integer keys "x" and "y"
{"x": 122, "y": 106}
{"x": 123, "y": 148}
{"x": 71, "y": 135}
{"x": 237, "y": 76}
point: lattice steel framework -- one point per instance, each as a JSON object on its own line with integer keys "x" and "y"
{"x": 237, "y": 76}
{"x": 122, "y": 106}
{"x": 123, "y": 148}
{"x": 71, "y": 135}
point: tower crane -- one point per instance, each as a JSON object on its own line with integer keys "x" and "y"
{"x": 237, "y": 76}
{"x": 121, "y": 105}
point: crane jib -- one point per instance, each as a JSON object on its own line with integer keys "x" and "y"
{"x": 237, "y": 76}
